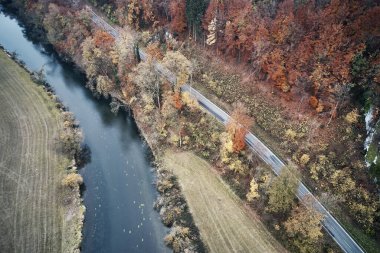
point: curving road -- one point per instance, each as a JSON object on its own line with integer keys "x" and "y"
{"x": 330, "y": 224}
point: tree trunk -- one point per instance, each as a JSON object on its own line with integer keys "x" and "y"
{"x": 333, "y": 111}
{"x": 158, "y": 95}
{"x": 180, "y": 139}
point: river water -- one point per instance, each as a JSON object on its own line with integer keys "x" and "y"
{"x": 118, "y": 194}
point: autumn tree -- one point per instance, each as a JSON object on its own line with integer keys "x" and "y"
{"x": 239, "y": 31}
{"x": 304, "y": 226}
{"x": 125, "y": 54}
{"x": 283, "y": 25}
{"x": 148, "y": 80}
{"x": 70, "y": 136}
{"x": 282, "y": 190}
{"x": 72, "y": 180}
{"x": 104, "y": 85}
{"x": 134, "y": 12}
{"x": 100, "y": 58}
{"x": 253, "y": 192}
{"x": 153, "y": 50}
{"x": 66, "y": 30}
{"x": 121, "y": 12}
{"x": 238, "y": 126}
{"x": 276, "y": 69}
{"x": 177, "y": 10}
{"x": 179, "y": 66}
{"x": 148, "y": 15}
{"x": 56, "y": 23}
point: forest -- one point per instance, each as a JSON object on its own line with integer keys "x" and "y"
{"x": 322, "y": 49}
{"x": 317, "y": 58}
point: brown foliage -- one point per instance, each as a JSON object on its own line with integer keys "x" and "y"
{"x": 154, "y": 51}
{"x": 103, "y": 39}
{"x": 238, "y": 126}
{"x": 275, "y": 67}
{"x": 313, "y": 101}
{"x": 148, "y": 12}
{"x": 72, "y": 180}
{"x": 134, "y": 11}
{"x": 177, "y": 101}
{"x": 178, "y": 13}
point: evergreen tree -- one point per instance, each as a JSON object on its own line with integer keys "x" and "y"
{"x": 195, "y": 10}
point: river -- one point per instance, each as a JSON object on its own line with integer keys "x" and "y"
{"x": 119, "y": 193}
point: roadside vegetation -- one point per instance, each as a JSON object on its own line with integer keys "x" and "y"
{"x": 302, "y": 83}
{"x": 40, "y": 212}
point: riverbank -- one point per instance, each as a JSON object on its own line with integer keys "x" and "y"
{"x": 42, "y": 214}
{"x": 118, "y": 192}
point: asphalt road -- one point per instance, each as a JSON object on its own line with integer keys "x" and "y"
{"x": 330, "y": 224}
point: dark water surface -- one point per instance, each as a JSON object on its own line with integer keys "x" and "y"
{"x": 119, "y": 193}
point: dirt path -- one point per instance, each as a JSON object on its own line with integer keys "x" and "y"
{"x": 224, "y": 223}
{"x": 31, "y": 166}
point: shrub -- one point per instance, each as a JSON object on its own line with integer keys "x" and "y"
{"x": 305, "y": 158}
{"x": 72, "y": 180}
{"x": 352, "y": 117}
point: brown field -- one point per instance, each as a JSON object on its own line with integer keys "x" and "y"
{"x": 224, "y": 223}
{"x": 33, "y": 217}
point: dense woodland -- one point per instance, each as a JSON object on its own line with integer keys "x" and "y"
{"x": 323, "y": 49}
{"x": 324, "y": 52}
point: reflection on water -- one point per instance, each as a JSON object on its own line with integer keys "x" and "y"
{"x": 119, "y": 193}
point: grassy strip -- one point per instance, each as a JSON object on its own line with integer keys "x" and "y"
{"x": 38, "y": 214}
{"x": 224, "y": 223}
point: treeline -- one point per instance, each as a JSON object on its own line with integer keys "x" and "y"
{"x": 325, "y": 50}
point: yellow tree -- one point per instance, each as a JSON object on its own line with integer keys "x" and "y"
{"x": 253, "y": 191}
{"x": 304, "y": 226}
{"x": 148, "y": 80}
{"x": 104, "y": 85}
{"x": 180, "y": 68}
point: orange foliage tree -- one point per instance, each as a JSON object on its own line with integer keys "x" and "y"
{"x": 276, "y": 69}
{"x": 177, "y": 9}
{"x": 177, "y": 101}
{"x": 238, "y": 126}
{"x": 239, "y": 29}
{"x": 103, "y": 39}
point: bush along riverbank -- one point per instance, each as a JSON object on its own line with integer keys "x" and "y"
{"x": 174, "y": 212}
